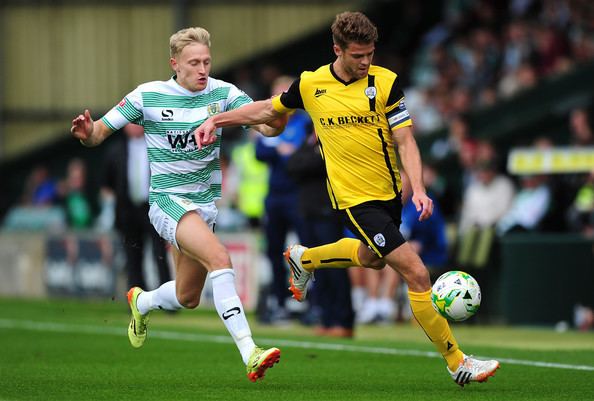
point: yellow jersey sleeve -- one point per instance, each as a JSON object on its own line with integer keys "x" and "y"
{"x": 278, "y": 105}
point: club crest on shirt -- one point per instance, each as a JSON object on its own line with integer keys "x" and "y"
{"x": 213, "y": 108}
{"x": 379, "y": 239}
{"x": 370, "y": 92}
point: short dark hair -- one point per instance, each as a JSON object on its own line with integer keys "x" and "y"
{"x": 353, "y": 27}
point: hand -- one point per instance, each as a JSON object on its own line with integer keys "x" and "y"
{"x": 82, "y": 126}
{"x": 279, "y": 123}
{"x": 205, "y": 134}
{"x": 424, "y": 204}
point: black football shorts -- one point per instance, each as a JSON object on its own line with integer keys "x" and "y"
{"x": 376, "y": 224}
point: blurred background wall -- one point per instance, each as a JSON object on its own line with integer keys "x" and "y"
{"x": 58, "y": 57}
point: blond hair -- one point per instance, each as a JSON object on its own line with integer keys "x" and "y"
{"x": 186, "y": 36}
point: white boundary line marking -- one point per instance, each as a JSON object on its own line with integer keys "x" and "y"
{"x": 192, "y": 337}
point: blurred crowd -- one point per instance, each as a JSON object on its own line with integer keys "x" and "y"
{"x": 482, "y": 52}
{"x": 479, "y": 54}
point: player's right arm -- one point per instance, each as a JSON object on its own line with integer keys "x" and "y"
{"x": 254, "y": 114}
{"x": 90, "y": 133}
{"x": 271, "y": 112}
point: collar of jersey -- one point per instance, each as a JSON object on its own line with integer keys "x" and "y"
{"x": 338, "y": 78}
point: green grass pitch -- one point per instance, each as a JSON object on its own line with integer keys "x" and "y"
{"x": 79, "y": 350}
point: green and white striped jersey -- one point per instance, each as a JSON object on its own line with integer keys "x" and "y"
{"x": 170, "y": 114}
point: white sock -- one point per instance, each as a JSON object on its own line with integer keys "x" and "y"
{"x": 386, "y": 308}
{"x": 162, "y": 298}
{"x": 231, "y": 311}
{"x": 358, "y": 295}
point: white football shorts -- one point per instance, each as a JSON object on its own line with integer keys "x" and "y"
{"x": 167, "y": 210}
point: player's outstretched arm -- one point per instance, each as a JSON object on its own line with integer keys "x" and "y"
{"x": 274, "y": 127}
{"x": 90, "y": 133}
{"x": 411, "y": 161}
{"x": 260, "y": 112}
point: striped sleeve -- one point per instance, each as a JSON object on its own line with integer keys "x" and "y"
{"x": 129, "y": 110}
{"x": 236, "y": 98}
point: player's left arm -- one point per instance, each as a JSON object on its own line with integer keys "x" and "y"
{"x": 402, "y": 132}
{"x": 410, "y": 158}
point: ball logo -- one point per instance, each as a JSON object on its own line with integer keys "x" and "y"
{"x": 370, "y": 92}
{"x": 379, "y": 240}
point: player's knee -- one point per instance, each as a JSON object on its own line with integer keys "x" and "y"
{"x": 376, "y": 264}
{"x": 369, "y": 259}
{"x": 221, "y": 261}
{"x": 189, "y": 301}
{"x": 218, "y": 258}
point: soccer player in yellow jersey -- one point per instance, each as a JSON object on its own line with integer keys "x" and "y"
{"x": 359, "y": 115}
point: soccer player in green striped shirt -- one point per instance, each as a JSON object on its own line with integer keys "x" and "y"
{"x": 185, "y": 182}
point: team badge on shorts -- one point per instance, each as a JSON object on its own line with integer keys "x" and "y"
{"x": 379, "y": 240}
{"x": 370, "y": 92}
{"x": 213, "y": 108}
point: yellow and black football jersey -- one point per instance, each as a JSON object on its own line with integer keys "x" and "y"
{"x": 353, "y": 121}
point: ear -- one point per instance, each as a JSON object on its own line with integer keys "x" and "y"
{"x": 173, "y": 64}
{"x": 337, "y": 50}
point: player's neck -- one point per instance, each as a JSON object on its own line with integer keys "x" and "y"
{"x": 341, "y": 72}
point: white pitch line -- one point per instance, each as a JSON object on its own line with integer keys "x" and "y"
{"x": 192, "y": 337}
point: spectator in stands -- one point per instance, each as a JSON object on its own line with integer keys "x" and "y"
{"x": 467, "y": 156}
{"x": 126, "y": 178}
{"x": 551, "y": 50}
{"x": 582, "y": 132}
{"x": 487, "y": 198}
{"x": 38, "y": 207}
{"x": 76, "y": 203}
{"x": 581, "y": 211}
{"x": 529, "y": 205}
{"x": 282, "y": 199}
{"x": 248, "y": 180}
{"x": 485, "y": 201}
{"x": 428, "y": 238}
{"x": 523, "y": 78}
{"x": 458, "y": 133}
{"x": 322, "y": 225}
{"x": 422, "y": 108}
{"x": 517, "y": 46}
{"x": 437, "y": 184}
{"x": 40, "y": 188}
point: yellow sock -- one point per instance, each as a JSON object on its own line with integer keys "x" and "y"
{"x": 436, "y": 328}
{"x": 342, "y": 253}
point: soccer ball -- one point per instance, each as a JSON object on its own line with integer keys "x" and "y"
{"x": 456, "y": 296}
